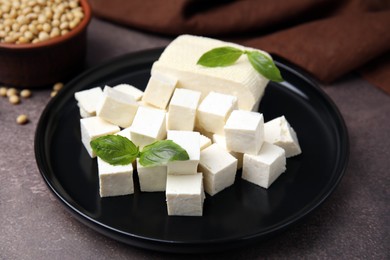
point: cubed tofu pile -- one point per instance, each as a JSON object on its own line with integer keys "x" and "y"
{"x": 208, "y": 112}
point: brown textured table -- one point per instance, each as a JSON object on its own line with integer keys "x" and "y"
{"x": 352, "y": 223}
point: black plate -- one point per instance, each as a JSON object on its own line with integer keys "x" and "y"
{"x": 240, "y": 215}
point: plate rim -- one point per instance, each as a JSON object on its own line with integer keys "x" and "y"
{"x": 188, "y": 246}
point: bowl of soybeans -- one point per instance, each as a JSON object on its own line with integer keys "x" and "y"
{"x": 42, "y": 41}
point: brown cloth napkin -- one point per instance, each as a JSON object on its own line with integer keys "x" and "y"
{"x": 327, "y": 38}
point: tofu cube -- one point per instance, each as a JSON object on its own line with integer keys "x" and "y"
{"x": 159, "y": 90}
{"x": 203, "y": 132}
{"x": 190, "y": 141}
{"x": 221, "y": 141}
{"x": 244, "y": 132}
{"x": 92, "y": 128}
{"x": 152, "y": 178}
{"x": 87, "y": 101}
{"x": 130, "y": 90}
{"x": 185, "y": 195}
{"x": 214, "y": 110}
{"x": 117, "y": 108}
{"x": 219, "y": 169}
{"x": 125, "y": 133}
{"x": 182, "y": 110}
{"x": 148, "y": 126}
{"x": 115, "y": 180}
{"x": 279, "y": 132}
{"x": 204, "y": 142}
{"x": 84, "y": 113}
{"x": 264, "y": 168}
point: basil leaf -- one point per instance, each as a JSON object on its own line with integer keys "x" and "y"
{"x": 264, "y": 65}
{"x": 226, "y": 56}
{"x": 220, "y": 57}
{"x": 161, "y": 152}
{"x": 115, "y": 149}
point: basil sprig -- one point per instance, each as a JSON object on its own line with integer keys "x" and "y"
{"x": 161, "y": 152}
{"x": 119, "y": 150}
{"x": 226, "y": 56}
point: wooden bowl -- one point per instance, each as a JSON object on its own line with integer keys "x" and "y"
{"x": 40, "y": 64}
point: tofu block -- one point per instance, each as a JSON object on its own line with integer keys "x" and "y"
{"x": 185, "y": 195}
{"x": 130, "y": 90}
{"x": 221, "y": 141}
{"x": 84, "y": 113}
{"x": 179, "y": 60}
{"x": 279, "y": 132}
{"x": 204, "y": 142}
{"x": 190, "y": 141}
{"x": 202, "y": 131}
{"x": 152, "y": 179}
{"x": 115, "y": 180}
{"x": 244, "y": 132}
{"x": 182, "y": 110}
{"x": 219, "y": 169}
{"x": 148, "y": 126}
{"x": 92, "y": 128}
{"x": 125, "y": 133}
{"x": 214, "y": 110}
{"x": 159, "y": 90}
{"x": 88, "y": 100}
{"x": 117, "y": 107}
{"x": 264, "y": 168}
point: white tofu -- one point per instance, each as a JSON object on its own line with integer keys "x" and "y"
{"x": 244, "y": 131}
{"x": 152, "y": 179}
{"x": 117, "y": 107}
{"x": 88, "y": 100}
{"x": 84, "y": 113}
{"x": 279, "y": 132}
{"x": 159, "y": 90}
{"x": 219, "y": 169}
{"x": 221, "y": 141}
{"x": 202, "y": 131}
{"x": 204, "y": 142}
{"x": 182, "y": 110}
{"x": 214, "y": 110}
{"x": 185, "y": 195}
{"x": 148, "y": 126}
{"x": 94, "y": 127}
{"x": 264, "y": 168}
{"x": 125, "y": 133}
{"x": 115, "y": 180}
{"x": 179, "y": 60}
{"x": 189, "y": 141}
{"x": 144, "y": 104}
{"x": 130, "y": 90}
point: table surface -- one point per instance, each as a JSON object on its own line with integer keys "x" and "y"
{"x": 352, "y": 223}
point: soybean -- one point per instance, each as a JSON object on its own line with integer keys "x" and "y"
{"x": 14, "y": 99}
{"x": 22, "y": 119}
{"x": 3, "y": 91}
{"x": 25, "y": 93}
{"x": 12, "y": 92}
{"x": 58, "y": 86}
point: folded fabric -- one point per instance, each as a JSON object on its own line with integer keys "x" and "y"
{"x": 327, "y": 38}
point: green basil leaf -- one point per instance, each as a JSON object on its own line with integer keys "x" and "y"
{"x": 220, "y": 57}
{"x": 161, "y": 152}
{"x": 115, "y": 149}
{"x": 264, "y": 65}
